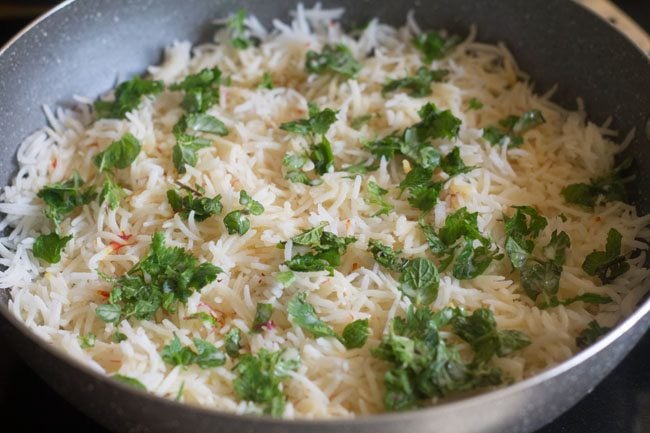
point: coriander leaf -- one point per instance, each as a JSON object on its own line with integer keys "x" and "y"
{"x": 87, "y": 341}
{"x": 259, "y": 378}
{"x": 128, "y": 96}
{"x": 318, "y": 122}
{"x": 285, "y": 278}
{"x": 376, "y": 197}
{"x": 207, "y": 356}
{"x": 418, "y": 85}
{"x": 609, "y": 264}
{"x": 49, "y": 247}
{"x": 336, "y": 59}
{"x": 203, "y": 207}
{"x": 475, "y": 104}
{"x": 119, "y": 154}
{"x": 236, "y": 222}
{"x": 419, "y": 281}
{"x": 262, "y": 316}
{"x": 201, "y": 90}
{"x": 232, "y": 342}
{"x": 480, "y": 331}
{"x": 433, "y": 45}
{"x": 164, "y": 277}
{"x": 111, "y": 193}
{"x": 359, "y": 121}
{"x": 510, "y": 129}
{"x": 252, "y": 206}
{"x": 185, "y": 150}
{"x": 174, "y": 353}
{"x": 303, "y": 314}
{"x": 267, "y": 82}
{"x": 238, "y": 34}
{"x": 386, "y": 256}
{"x": 453, "y": 164}
{"x": 608, "y": 188}
{"x": 591, "y": 334}
{"x": 129, "y": 381}
{"x": 63, "y": 198}
{"x": 355, "y": 334}
{"x": 202, "y": 122}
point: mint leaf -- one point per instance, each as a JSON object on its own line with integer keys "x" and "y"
{"x": 49, "y": 247}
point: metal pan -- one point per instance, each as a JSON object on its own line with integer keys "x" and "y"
{"x": 83, "y": 45}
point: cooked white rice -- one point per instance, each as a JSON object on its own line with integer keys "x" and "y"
{"x": 58, "y": 301}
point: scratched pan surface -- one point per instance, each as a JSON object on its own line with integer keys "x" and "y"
{"x": 82, "y": 47}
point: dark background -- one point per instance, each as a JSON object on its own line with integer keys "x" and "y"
{"x": 620, "y": 404}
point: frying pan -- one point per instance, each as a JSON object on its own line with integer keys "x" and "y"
{"x": 83, "y": 46}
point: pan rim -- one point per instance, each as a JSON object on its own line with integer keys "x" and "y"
{"x": 483, "y": 398}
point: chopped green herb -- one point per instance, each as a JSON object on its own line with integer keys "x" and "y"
{"x": 166, "y": 276}
{"x": 294, "y": 161}
{"x": 185, "y": 151}
{"x": 286, "y": 278}
{"x": 236, "y": 222}
{"x": 111, "y": 193}
{"x": 609, "y": 264}
{"x": 433, "y": 45}
{"x": 49, "y": 247}
{"x": 521, "y": 231}
{"x": 129, "y": 381}
{"x": 267, "y": 82}
{"x": 179, "y": 394}
{"x": 63, "y": 198}
{"x": 355, "y": 334}
{"x": 119, "y": 154}
{"x": 203, "y": 207}
{"x": 376, "y": 197}
{"x": 262, "y": 318}
{"x": 205, "y": 356}
{"x": 201, "y": 122}
{"x": 302, "y": 313}
{"x": 259, "y": 378}
{"x": 87, "y": 341}
{"x": 511, "y": 129}
{"x": 423, "y": 191}
{"x": 327, "y": 249}
{"x": 361, "y": 168}
{"x": 419, "y": 281}
{"x": 423, "y": 366}
{"x": 238, "y": 35}
{"x": 587, "y": 298}
{"x": 318, "y": 122}
{"x": 418, "y": 85}
{"x": 601, "y": 189}
{"x": 128, "y": 96}
{"x": 475, "y": 104}
{"x": 591, "y": 334}
{"x": 232, "y": 342}
{"x": 480, "y": 331}
{"x": 453, "y": 164}
{"x": 204, "y": 317}
{"x": 359, "y": 121}
{"x": 336, "y": 59}
{"x": 201, "y": 90}
{"x": 386, "y": 256}
{"x": 322, "y": 156}
{"x": 118, "y": 337}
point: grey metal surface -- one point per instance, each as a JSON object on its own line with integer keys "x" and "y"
{"x": 85, "y": 46}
